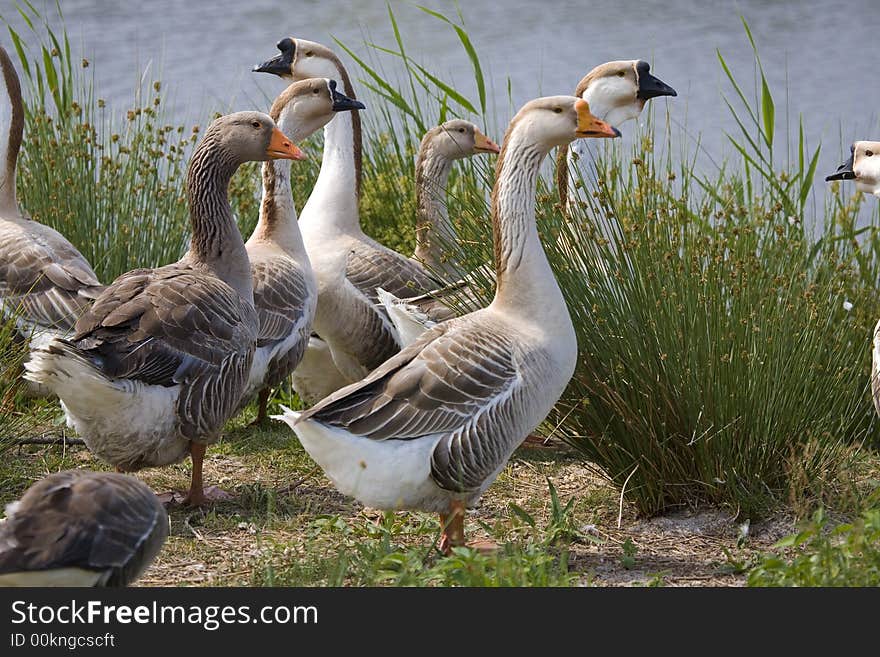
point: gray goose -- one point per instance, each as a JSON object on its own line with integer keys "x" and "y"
{"x": 45, "y": 283}
{"x": 348, "y": 264}
{"x": 81, "y": 528}
{"x": 616, "y": 92}
{"x": 160, "y": 361}
{"x": 432, "y": 427}
{"x": 285, "y": 292}
{"x": 863, "y": 167}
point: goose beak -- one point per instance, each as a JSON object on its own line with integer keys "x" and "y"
{"x": 650, "y": 86}
{"x": 281, "y": 148}
{"x": 844, "y": 171}
{"x": 341, "y": 102}
{"x": 589, "y": 126}
{"x": 482, "y": 144}
{"x": 282, "y": 64}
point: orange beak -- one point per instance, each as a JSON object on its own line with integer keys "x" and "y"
{"x": 281, "y": 148}
{"x": 482, "y": 144}
{"x": 589, "y": 125}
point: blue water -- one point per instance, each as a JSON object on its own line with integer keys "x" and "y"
{"x": 823, "y": 51}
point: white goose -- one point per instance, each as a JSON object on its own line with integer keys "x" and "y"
{"x": 348, "y": 264}
{"x": 863, "y": 166}
{"x": 285, "y": 292}
{"x": 160, "y": 361}
{"x": 81, "y": 528}
{"x": 432, "y": 427}
{"x": 616, "y": 92}
{"x": 45, "y": 283}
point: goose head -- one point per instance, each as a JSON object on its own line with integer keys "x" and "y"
{"x": 863, "y": 166}
{"x": 251, "y": 137}
{"x": 300, "y": 59}
{"x": 558, "y": 120}
{"x": 618, "y": 91}
{"x": 458, "y": 139}
{"x": 11, "y": 129}
{"x": 308, "y": 105}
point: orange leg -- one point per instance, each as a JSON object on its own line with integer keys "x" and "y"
{"x": 262, "y": 408}
{"x": 452, "y": 524}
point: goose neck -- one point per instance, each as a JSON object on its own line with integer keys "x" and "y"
{"x": 278, "y": 222}
{"x": 526, "y": 284}
{"x": 333, "y": 203}
{"x": 11, "y": 130}
{"x": 216, "y": 241}
{"x": 434, "y": 231}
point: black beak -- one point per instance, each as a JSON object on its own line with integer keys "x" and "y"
{"x": 341, "y": 102}
{"x": 650, "y": 86}
{"x": 844, "y": 171}
{"x": 280, "y": 64}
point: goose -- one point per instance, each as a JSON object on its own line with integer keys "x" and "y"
{"x": 285, "y": 292}
{"x": 81, "y": 528}
{"x": 863, "y": 166}
{"x": 348, "y": 264}
{"x": 45, "y": 283}
{"x": 158, "y": 364}
{"x": 439, "y": 148}
{"x": 432, "y": 427}
{"x": 616, "y": 92}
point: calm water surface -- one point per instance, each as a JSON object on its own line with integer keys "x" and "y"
{"x": 825, "y": 52}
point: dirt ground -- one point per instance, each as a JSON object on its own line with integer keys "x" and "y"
{"x": 277, "y": 492}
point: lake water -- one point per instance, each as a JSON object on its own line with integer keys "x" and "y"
{"x": 825, "y": 52}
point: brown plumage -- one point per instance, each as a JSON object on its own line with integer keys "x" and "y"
{"x": 75, "y": 526}
{"x": 44, "y": 280}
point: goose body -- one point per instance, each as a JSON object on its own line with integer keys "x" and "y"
{"x": 285, "y": 290}
{"x": 45, "y": 283}
{"x": 863, "y": 167}
{"x": 432, "y": 427}
{"x": 616, "y": 92}
{"x": 81, "y": 528}
{"x": 159, "y": 363}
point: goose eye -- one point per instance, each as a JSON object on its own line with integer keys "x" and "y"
{"x": 256, "y": 124}
{"x": 461, "y": 130}
{"x": 314, "y": 91}
{"x": 621, "y": 74}
{"x": 310, "y": 54}
{"x": 557, "y": 110}
{"x": 869, "y": 153}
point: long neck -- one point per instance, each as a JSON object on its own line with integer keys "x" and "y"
{"x": 435, "y": 234}
{"x": 11, "y": 128}
{"x": 526, "y": 284}
{"x": 333, "y": 203}
{"x": 277, "y": 223}
{"x": 216, "y": 242}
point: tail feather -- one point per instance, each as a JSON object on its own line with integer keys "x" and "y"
{"x": 289, "y": 417}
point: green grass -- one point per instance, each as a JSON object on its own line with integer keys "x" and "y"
{"x": 822, "y": 554}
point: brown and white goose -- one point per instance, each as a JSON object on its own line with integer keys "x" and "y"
{"x": 348, "y": 264}
{"x": 616, "y": 92}
{"x": 45, "y": 283}
{"x": 160, "y": 361}
{"x": 863, "y": 167}
{"x": 81, "y": 528}
{"x": 432, "y": 427}
{"x": 285, "y": 292}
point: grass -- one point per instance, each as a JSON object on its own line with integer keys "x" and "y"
{"x": 718, "y": 364}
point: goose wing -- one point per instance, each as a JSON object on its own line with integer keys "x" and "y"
{"x": 174, "y": 325}
{"x": 281, "y": 299}
{"x": 45, "y": 274}
{"x": 95, "y": 521}
{"x": 371, "y": 266}
{"x": 458, "y": 380}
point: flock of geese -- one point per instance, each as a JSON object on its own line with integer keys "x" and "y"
{"x": 413, "y": 405}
